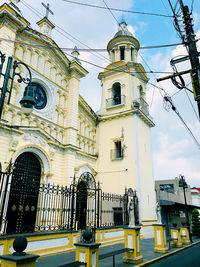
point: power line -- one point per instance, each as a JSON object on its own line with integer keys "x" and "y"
{"x": 40, "y": 15}
{"x": 168, "y": 99}
{"x": 89, "y": 49}
{"x": 110, "y": 11}
{"x": 178, "y": 91}
{"x": 192, "y": 5}
{"x": 117, "y": 9}
{"x": 191, "y": 104}
{"x": 85, "y": 61}
{"x": 176, "y": 24}
{"x": 105, "y": 68}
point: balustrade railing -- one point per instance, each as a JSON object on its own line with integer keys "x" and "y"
{"x": 116, "y": 154}
{"x": 114, "y": 101}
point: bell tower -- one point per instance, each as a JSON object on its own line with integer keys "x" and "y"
{"x": 123, "y": 132}
{"x": 123, "y": 80}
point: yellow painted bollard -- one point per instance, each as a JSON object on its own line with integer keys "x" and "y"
{"x": 176, "y": 238}
{"x": 160, "y": 238}
{"x": 184, "y": 231}
{"x": 87, "y": 251}
{"x": 19, "y": 258}
{"x": 133, "y": 244}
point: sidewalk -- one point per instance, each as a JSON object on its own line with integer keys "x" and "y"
{"x": 147, "y": 247}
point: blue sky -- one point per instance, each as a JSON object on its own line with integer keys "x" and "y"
{"x": 174, "y": 151}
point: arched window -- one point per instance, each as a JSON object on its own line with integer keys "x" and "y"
{"x": 132, "y": 54}
{"x": 141, "y": 93}
{"x": 116, "y": 94}
{"x": 122, "y": 52}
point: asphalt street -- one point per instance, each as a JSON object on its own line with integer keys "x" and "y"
{"x": 189, "y": 257}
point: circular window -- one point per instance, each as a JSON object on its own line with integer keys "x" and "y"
{"x": 40, "y": 96}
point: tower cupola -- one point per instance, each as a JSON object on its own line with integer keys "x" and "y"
{"x": 123, "y": 46}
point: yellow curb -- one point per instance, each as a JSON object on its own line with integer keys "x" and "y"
{"x": 166, "y": 255}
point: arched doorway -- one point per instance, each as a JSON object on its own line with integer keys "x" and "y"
{"x": 86, "y": 201}
{"x": 81, "y": 205}
{"x": 24, "y": 190}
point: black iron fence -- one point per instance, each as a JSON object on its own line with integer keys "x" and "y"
{"x": 82, "y": 205}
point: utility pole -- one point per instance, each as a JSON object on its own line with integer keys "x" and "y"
{"x": 190, "y": 43}
{"x": 193, "y": 53}
{"x": 182, "y": 183}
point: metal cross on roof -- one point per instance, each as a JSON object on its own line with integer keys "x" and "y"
{"x": 47, "y": 9}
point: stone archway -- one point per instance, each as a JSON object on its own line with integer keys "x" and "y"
{"x": 23, "y": 197}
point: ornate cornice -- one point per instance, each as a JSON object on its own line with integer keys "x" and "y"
{"x": 120, "y": 67}
{"x": 129, "y": 112}
{"x": 127, "y": 39}
{"x": 86, "y": 108}
{"x": 7, "y": 13}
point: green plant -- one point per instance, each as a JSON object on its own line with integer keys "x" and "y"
{"x": 195, "y": 222}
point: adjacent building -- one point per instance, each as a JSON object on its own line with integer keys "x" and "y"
{"x": 170, "y": 195}
{"x": 195, "y": 192}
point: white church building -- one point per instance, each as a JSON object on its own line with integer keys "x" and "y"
{"x": 63, "y": 141}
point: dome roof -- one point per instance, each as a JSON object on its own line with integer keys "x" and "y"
{"x": 123, "y": 31}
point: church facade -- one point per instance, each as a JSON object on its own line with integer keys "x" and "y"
{"x": 64, "y": 139}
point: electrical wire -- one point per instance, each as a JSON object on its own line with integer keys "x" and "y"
{"x": 192, "y": 105}
{"x": 168, "y": 99}
{"x": 166, "y": 9}
{"x": 117, "y": 9}
{"x": 178, "y": 91}
{"x": 188, "y": 129}
{"x": 192, "y": 5}
{"x": 111, "y": 12}
{"x": 176, "y": 25}
{"x": 87, "y": 49}
{"x": 152, "y": 97}
{"x": 111, "y": 69}
{"x": 85, "y": 61}
{"x": 65, "y": 32}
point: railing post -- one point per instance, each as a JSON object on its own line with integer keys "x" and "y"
{"x": 4, "y": 192}
{"x": 87, "y": 251}
{"x": 72, "y": 206}
{"x": 98, "y": 204}
{"x": 19, "y": 258}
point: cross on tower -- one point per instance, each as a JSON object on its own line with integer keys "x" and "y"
{"x": 47, "y": 9}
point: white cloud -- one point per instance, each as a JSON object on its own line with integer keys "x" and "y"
{"x": 131, "y": 29}
{"x": 172, "y": 159}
